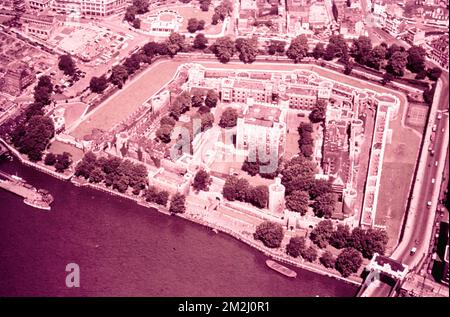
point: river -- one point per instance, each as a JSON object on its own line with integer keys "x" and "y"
{"x": 124, "y": 249}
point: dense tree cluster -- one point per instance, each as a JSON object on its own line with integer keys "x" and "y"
{"x": 138, "y": 7}
{"x": 119, "y": 75}
{"x": 298, "y": 201}
{"x": 324, "y": 205}
{"x": 361, "y": 49}
{"x": 348, "y": 262}
{"x": 43, "y": 91}
{"x": 416, "y": 59}
{"x": 33, "y": 136}
{"x": 113, "y": 171}
{"x": 204, "y": 5}
{"x": 276, "y": 47}
{"x": 336, "y": 47}
{"x": 327, "y": 259}
{"x": 202, "y": 180}
{"x": 229, "y": 118}
{"x": 63, "y": 161}
{"x": 365, "y": 241}
{"x": 270, "y": 233}
{"x": 223, "y": 10}
{"x": 178, "y": 204}
{"x": 298, "y": 174}
{"x": 180, "y": 105}
{"x": 154, "y": 195}
{"x": 318, "y": 51}
{"x": 212, "y": 98}
{"x": 309, "y": 254}
{"x": 254, "y": 166}
{"x": 195, "y": 25}
{"x": 239, "y": 189}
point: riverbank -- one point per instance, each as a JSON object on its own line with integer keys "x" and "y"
{"x": 245, "y": 237}
{"x": 125, "y": 249}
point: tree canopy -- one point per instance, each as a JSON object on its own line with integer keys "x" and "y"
{"x": 298, "y": 48}
{"x": 295, "y": 246}
{"x": 348, "y": 262}
{"x": 321, "y": 233}
{"x": 270, "y": 233}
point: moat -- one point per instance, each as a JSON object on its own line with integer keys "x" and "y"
{"x": 124, "y": 249}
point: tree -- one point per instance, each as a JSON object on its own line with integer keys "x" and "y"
{"x": 335, "y": 12}
{"x": 137, "y": 23}
{"x": 215, "y": 19}
{"x": 178, "y": 204}
{"x": 258, "y": 196}
{"x": 166, "y": 120}
{"x": 324, "y": 205}
{"x": 298, "y": 48}
{"x": 236, "y": 189}
{"x": 200, "y": 41}
{"x": 132, "y": 63}
{"x": 428, "y": 94}
{"x": 175, "y": 43}
{"x": 348, "y": 67}
{"x": 164, "y": 133}
{"x": 392, "y": 49}
{"x": 119, "y": 75}
{"x": 211, "y": 98}
{"x": 86, "y": 165}
{"x": 224, "y": 9}
{"x": 247, "y": 49}
{"x": 416, "y": 59}
{"x": 396, "y": 64}
{"x": 336, "y": 47}
{"x": 322, "y": 233}
{"x": 327, "y": 259}
{"x": 201, "y": 25}
{"x": 229, "y": 118}
{"x": 204, "y": 5}
{"x": 192, "y": 26}
{"x": 298, "y": 174}
{"x": 33, "y": 136}
{"x": 224, "y": 49}
{"x": 387, "y": 77}
{"x": 368, "y": 241}
{"x": 97, "y": 175}
{"x": 348, "y": 262}
{"x": 202, "y": 180}
{"x": 361, "y": 49}
{"x": 310, "y": 254}
{"x": 141, "y": 6}
{"x": 340, "y": 237}
{"x": 319, "y": 187}
{"x": 98, "y": 84}
{"x": 421, "y": 75}
{"x": 319, "y": 111}
{"x": 296, "y": 246}
{"x": 197, "y": 100}
{"x": 376, "y": 57}
{"x": 43, "y": 91}
{"x": 67, "y": 65}
{"x": 130, "y": 14}
{"x": 298, "y": 201}
{"x": 270, "y": 233}
{"x": 276, "y": 47}
{"x": 50, "y": 159}
{"x": 434, "y": 73}
{"x": 207, "y": 121}
{"x": 180, "y": 105}
{"x": 63, "y": 161}
{"x": 318, "y": 50}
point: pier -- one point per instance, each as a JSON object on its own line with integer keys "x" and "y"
{"x": 32, "y": 197}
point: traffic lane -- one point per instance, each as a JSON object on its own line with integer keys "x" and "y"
{"x": 426, "y": 193}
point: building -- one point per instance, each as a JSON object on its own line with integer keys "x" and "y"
{"x": 276, "y": 197}
{"x": 415, "y": 36}
{"x": 99, "y": 8}
{"x": 262, "y": 128}
{"x": 39, "y": 4}
{"x": 42, "y": 26}
{"x": 393, "y": 24}
{"x": 439, "y": 51}
{"x": 17, "y": 77}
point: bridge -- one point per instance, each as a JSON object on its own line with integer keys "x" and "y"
{"x": 384, "y": 277}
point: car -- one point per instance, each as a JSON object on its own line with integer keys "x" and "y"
{"x": 434, "y": 128}
{"x": 433, "y": 180}
{"x": 436, "y": 163}
{"x": 429, "y": 204}
{"x": 432, "y": 152}
{"x": 439, "y": 116}
{"x": 413, "y": 251}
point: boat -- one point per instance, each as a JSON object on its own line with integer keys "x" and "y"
{"x": 281, "y": 269}
{"x": 215, "y": 230}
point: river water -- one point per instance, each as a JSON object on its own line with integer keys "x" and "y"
{"x": 124, "y": 249}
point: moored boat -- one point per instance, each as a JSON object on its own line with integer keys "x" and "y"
{"x": 281, "y": 269}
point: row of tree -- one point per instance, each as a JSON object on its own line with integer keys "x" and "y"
{"x": 240, "y": 189}
{"x": 271, "y": 234}
{"x": 365, "y": 241}
{"x": 32, "y": 134}
{"x": 60, "y": 161}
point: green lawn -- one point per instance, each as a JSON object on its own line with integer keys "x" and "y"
{"x": 58, "y": 148}
{"x": 127, "y": 100}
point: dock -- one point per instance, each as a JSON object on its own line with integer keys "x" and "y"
{"x": 31, "y": 196}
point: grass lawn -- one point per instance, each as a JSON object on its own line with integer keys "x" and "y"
{"x": 127, "y": 100}
{"x": 73, "y": 112}
{"x": 394, "y": 188}
{"x": 190, "y": 12}
{"x": 59, "y": 147}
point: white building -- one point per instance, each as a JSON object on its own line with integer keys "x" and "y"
{"x": 276, "y": 197}
{"x": 90, "y": 7}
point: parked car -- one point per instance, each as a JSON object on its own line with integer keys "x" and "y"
{"x": 413, "y": 251}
